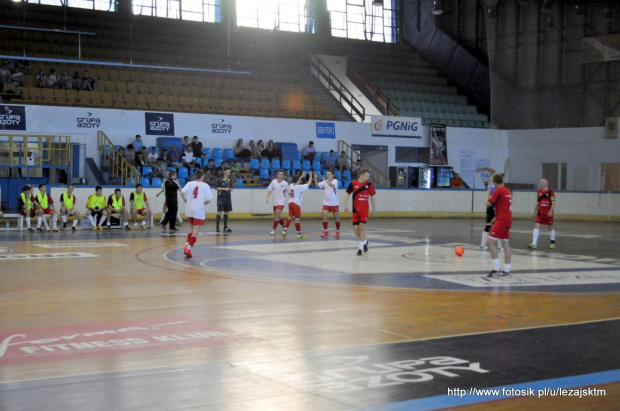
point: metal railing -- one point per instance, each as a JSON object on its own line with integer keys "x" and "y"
{"x": 381, "y": 101}
{"x": 378, "y": 178}
{"x": 331, "y": 82}
{"x": 115, "y": 164}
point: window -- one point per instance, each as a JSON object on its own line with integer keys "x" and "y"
{"x": 105, "y": 5}
{"x": 360, "y": 19}
{"x": 412, "y": 154}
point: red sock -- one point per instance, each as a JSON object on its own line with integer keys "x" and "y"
{"x": 275, "y": 224}
{"x": 325, "y": 225}
{"x": 298, "y": 227}
{"x": 192, "y": 240}
{"x": 281, "y": 222}
{"x": 288, "y": 222}
{"x": 338, "y": 225}
{"x": 189, "y": 237}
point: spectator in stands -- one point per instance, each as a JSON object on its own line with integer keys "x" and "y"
{"x": 24, "y": 65}
{"x": 138, "y": 143}
{"x": 257, "y": 151}
{"x": 18, "y": 77}
{"x": 88, "y": 82}
{"x": 159, "y": 169}
{"x": 130, "y": 154}
{"x": 152, "y": 157}
{"x": 343, "y": 162}
{"x": 175, "y": 158}
{"x": 209, "y": 177}
{"x": 5, "y": 77}
{"x": 67, "y": 84}
{"x": 165, "y": 156}
{"x": 186, "y": 143}
{"x": 287, "y": 177}
{"x": 330, "y": 161}
{"x": 188, "y": 157}
{"x": 252, "y": 148}
{"x": 41, "y": 79}
{"x": 271, "y": 151}
{"x": 241, "y": 151}
{"x": 235, "y": 168}
{"x": 76, "y": 83}
{"x": 355, "y": 170}
{"x": 142, "y": 158}
{"x": 210, "y": 167}
{"x": 309, "y": 152}
{"x": 197, "y": 148}
{"x": 53, "y": 81}
{"x": 456, "y": 181}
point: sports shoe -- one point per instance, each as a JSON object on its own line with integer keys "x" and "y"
{"x": 325, "y": 234}
{"x": 73, "y": 228}
{"x": 484, "y": 248}
{"x": 163, "y": 227}
{"x": 359, "y": 252}
{"x": 101, "y": 228}
{"x": 48, "y": 229}
{"x": 108, "y": 227}
{"x": 30, "y": 229}
{"x": 552, "y": 246}
{"x": 64, "y": 225}
{"x": 217, "y": 230}
{"x": 144, "y": 227}
{"x": 129, "y": 228}
{"x": 337, "y": 235}
{"x": 39, "y": 229}
{"x": 532, "y": 246}
{"x": 284, "y": 233}
{"x": 187, "y": 252}
{"x": 135, "y": 227}
{"x": 95, "y": 228}
{"x": 366, "y": 246}
{"x": 301, "y": 236}
{"x": 227, "y": 230}
{"x": 273, "y": 232}
{"x": 55, "y": 230}
{"x": 495, "y": 273}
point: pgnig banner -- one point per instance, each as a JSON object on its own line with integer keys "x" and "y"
{"x": 387, "y": 126}
{"x": 12, "y": 118}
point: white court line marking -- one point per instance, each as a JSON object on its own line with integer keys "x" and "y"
{"x": 80, "y": 245}
{"x": 545, "y": 232}
{"x": 534, "y": 279}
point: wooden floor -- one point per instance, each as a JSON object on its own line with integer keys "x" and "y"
{"x": 120, "y": 319}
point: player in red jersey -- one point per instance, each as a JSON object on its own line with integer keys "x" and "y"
{"x": 543, "y": 213}
{"x": 502, "y": 201}
{"x": 362, "y": 190}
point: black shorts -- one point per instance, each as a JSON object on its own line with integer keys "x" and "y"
{"x": 97, "y": 214}
{"x": 490, "y": 214}
{"x": 224, "y": 204}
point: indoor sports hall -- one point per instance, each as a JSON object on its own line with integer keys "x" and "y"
{"x": 453, "y": 109}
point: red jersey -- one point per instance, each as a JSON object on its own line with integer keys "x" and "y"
{"x": 545, "y": 201}
{"x": 361, "y": 194}
{"x": 502, "y": 201}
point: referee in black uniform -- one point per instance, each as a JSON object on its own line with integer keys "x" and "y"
{"x": 224, "y": 201}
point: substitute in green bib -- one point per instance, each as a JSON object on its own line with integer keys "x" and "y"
{"x": 139, "y": 206}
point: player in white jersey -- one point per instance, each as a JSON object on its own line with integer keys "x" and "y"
{"x": 279, "y": 187}
{"x": 197, "y": 194}
{"x": 331, "y": 204}
{"x": 295, "y": 192}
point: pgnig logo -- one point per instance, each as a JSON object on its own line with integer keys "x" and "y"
{"x": 379, "y": 125}
{"x": 396, "y": 125}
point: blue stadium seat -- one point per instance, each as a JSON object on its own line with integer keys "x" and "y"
{"x": 182, "y": 182}
{"x": 145, "y": 182}
{"x": 337, "y": 174}
{"x": 239, "y": 182}
{"x": 286, "y": 164}
{"x": 346, "y": 174}
{"x": 206, "y": 152}
{"x": 306, "y": 165}
{"x": 296, "y": 165}
{"x": 217, "y": 153}
{"x": 172, "y": 169}
{"x": 264, "y": 163}
{"x": 254, "y": 165}
{"x": 218, "y": 161}
{"x": 228, "y": 153}
{"x": 146, "y": 171}
{"x": 316, "y": 165}
{"x": 264, "y": 174}
{"x": 275, "y": 164}
{"x": 156, "y": 182}
{"x": 183, "y": 173}
{"x": 324, "y": 155}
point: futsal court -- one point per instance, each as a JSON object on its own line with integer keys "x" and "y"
{"x": 122, "y": 320}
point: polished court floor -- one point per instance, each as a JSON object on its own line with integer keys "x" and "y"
{"x": 122, "y": 320}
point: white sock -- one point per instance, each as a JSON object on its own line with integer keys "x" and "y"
{"x": 63, "y": 218}
{"x": 496, "y": 264}
{"x": 362, "y": 244}
{"x": 507, "y": 268}
{"x": 27, "y": 222}
{"x": 552, "y": 235}
{"x": 485, "y": 236}
{"x": 92, "y": 222}
{"x": 75, "y": 221}
{"x": 189, "y": 247}
{"x": 535, "y": 236}
{"x": 143, "y": 222}
{"x": 135, "y": 224}
{"x": 39, "y": 219}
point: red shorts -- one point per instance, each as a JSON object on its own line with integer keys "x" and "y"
{"x": 544, "y": 220}
{"x": 331, "y": 209}
{"x": 500, "y": 230}
{"x": 294, "y": 210}
{"x": 278, "y": 207}
{"x": 48, "y": 211}
{"x": 195, "y": 221}
{"x": 22, "y": 212}
{"x": 359, "y": 218}
{"x": 141, "y": 211}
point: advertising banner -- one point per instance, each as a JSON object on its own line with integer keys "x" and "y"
{"x": 438, "y": 145}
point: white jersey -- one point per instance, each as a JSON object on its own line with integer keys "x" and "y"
{"x": 280, "y": 192}
{"x": 330, "y": 195}
{"x": 196, "y": 193}
{"x": 295, "y": 191}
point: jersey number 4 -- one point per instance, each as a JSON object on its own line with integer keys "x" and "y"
{"x": 195, "y": 192}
